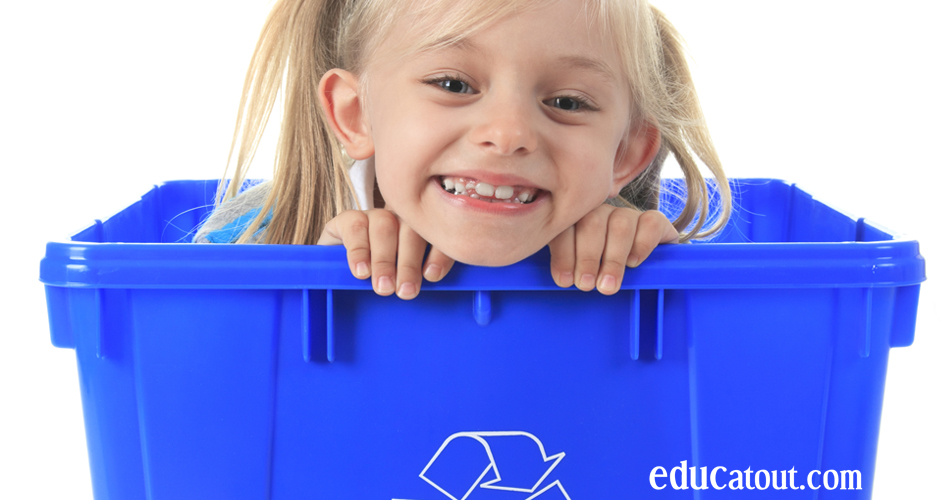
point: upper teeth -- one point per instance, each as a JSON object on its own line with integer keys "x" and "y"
{"x": 463, "y": 186}
{"x": 485, "y": 189}
{"x": 504, "y": 192}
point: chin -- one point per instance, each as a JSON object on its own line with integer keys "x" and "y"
{"x": 488, "y": 254}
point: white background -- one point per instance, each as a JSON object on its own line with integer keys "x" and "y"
{"x": 101, "y": 99}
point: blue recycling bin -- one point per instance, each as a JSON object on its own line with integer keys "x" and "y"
{"x": 268, "y": 372}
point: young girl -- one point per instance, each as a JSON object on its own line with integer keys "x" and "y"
{"x": 488, "y": 129}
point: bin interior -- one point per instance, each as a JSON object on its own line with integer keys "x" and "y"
{"x": 764, "y": 210}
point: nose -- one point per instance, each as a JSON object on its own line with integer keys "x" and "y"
{"x": 505, "y": 127}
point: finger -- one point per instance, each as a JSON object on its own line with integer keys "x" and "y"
{"x": 437, "y": 265}
{"x": 590, "y": 240}
{"x": 351, "y": 229}
{"x": 563, "y": 257}
{"x": 620, "y": 234}
{"x": 384, "y": 241}
{"x": 331, "y": 232}
{"x": 410, "y": 254}
{"x": 652, "y": 229}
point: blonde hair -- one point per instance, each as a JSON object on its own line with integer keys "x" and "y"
{"x": 302, "y": 39}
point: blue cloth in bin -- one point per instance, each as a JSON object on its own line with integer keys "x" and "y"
{"x": 229, "y": 221}
{"x": 234, "y": 229}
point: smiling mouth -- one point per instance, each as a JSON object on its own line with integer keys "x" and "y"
{"x": 473, "y": 188}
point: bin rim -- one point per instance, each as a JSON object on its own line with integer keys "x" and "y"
{"x": 719, "y": 265}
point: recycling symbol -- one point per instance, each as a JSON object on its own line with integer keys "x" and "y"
{"x": 512, "y": 461}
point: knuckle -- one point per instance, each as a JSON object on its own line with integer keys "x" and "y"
{"x": 588, "y": 263}
{"x": 384, "y": 264}
{"x": 653, "y": 218}
{"x": 591, "y": 249}
{"x": 623, "y": 221}
{"x": 385, "y": 227}
{"x": 383, "y": 267}
{"x": 612, "y": 263}
{"x": 594, "y": 222}
{"x": 410, "y": 268}
{"x": 381, "y": 216}
{"x": 649, "y": 226}
{"x": 384, "y": 261}
{"x": 593, "y": 229}
{"x": 359, "y": 224}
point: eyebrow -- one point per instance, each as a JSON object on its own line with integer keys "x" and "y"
{"x": 453, "y": 42}
{"x": 591, "y": 64}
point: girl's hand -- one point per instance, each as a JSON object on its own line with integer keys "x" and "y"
{"x": 596, "y": 250}
{"x": 378, "y": 245}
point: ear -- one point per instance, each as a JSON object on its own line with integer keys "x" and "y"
{"x": 339, "y": 96}
{"x": 634, "y": 155}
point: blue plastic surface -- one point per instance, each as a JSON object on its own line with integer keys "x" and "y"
{"x": 269, "y": 372}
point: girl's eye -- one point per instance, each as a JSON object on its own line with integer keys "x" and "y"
{"x": 569, "y": 104}
{"x": 452, "y": 85}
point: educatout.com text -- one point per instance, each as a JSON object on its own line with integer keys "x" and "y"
{"x": 684, "y": 477}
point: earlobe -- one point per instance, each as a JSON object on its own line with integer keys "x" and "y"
{"x": 634, "y": 155}
{"x": 339, "y": 96}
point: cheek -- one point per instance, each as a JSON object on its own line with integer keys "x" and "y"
{"x": 404, "y": 116}
{"x": 409, "y": 150}
{"x": 588, "y": 172}
{"x": 390, "y": 187}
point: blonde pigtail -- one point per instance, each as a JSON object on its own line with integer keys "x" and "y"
{"x": 685, "y": 134}
{"x": 664, "y": 89}
{"x": 311, "y": 186}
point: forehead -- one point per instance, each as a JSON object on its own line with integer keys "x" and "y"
{"x": 416, "y": 26}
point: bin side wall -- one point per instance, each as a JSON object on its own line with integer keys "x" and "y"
{"x": 208, "y": 394}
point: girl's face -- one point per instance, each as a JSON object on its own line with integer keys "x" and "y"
{"x": 491, "y": 147}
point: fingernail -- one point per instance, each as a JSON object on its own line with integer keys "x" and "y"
{"x": 632, "y": 262}
{"x": 406, "y": 290}
{"x": 432, "y": 272}
{"x": 566, "y": 278}
{"x": 608, "y": 283}
{"x": 385, "y": 285}
{"x": 587, "y": 281}
{"x": 362, "y": 270}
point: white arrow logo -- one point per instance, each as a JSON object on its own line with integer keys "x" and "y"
{"x": 521, "y": 456}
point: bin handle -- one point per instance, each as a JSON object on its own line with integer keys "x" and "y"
{"x": 481, "y": 307}
{"x": 635, "y": 323}
{"x": 305, "y": 323}
{"x": 305, "y": 326}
